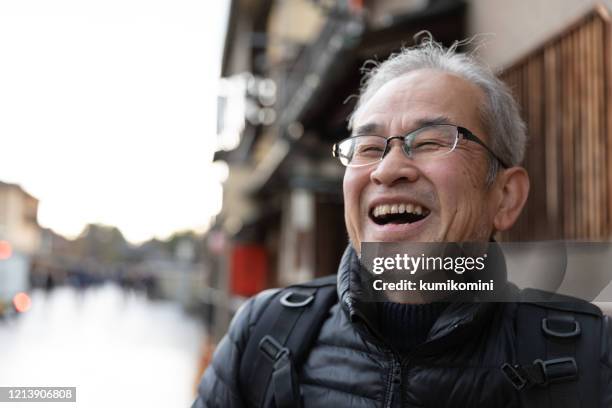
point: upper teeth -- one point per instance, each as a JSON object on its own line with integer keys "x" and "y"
{"x": 384, "y": 209}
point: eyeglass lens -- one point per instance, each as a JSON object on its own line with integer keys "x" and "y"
{"x": 422, "y": 143}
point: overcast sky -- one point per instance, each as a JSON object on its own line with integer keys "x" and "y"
{"x": 107, "y": 111}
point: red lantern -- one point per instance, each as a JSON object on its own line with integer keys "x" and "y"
{"x": 249, "y": 268}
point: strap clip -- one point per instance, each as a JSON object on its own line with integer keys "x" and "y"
{"x": 305, "y": 299}
{"x": 558, "y": 370}
{"x": 285, "y": 385}
{"x": 516, "y": 378}
{"x": 272, "y": 348}
{"x": 562, "y": 327}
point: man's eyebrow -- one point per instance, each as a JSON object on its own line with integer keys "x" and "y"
{"x": 436, "y": 120}
{"x": 376, "y": 128}
{"x": 367, "y": 129}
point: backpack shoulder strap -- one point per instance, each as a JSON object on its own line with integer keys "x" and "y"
{"x": 557, "y": 350}
{"x": 280, "y": 340}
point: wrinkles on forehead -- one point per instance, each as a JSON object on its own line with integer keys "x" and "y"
{"x": 421, "y": 97}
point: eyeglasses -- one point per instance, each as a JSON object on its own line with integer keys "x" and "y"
{"x": 423, "y": 143}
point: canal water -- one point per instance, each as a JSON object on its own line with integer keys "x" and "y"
{"x": 118, "y": 348}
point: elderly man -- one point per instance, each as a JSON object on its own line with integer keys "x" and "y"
{"x": 434, "y": 156}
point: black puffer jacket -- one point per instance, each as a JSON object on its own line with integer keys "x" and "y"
{"x": 351, "y": 366}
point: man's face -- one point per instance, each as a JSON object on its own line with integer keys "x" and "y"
{"x": 450, "y": 191}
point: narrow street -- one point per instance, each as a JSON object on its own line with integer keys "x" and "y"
{"x": 118, "y": 348}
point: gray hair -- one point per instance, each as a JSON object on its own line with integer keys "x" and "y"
{"x": 499, "y": 114}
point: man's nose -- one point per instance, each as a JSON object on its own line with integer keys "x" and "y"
{"x": 395, "y": 167}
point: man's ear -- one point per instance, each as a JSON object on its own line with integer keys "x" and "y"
{"x": 514, "y": 189}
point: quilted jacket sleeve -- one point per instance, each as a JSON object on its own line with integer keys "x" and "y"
{"x": 219, "y": 385}
{"x": 606, "y": 362}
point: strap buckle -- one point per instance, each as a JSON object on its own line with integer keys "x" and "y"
{"x": 558, "y": 370}
{"x": 306, "y": 299}
{"x": 561, "y": 327}
{"x": 272, "y": 348}
{"x": 516, "y": 378}
{"x": 285, "y": 386}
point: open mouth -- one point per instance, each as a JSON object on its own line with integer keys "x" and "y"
{"x": 398, "y": 213}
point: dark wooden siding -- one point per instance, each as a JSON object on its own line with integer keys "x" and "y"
{"x": 563, "y": 88}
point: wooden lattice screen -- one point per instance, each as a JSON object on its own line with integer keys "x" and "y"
{"x": 564, "y": 92}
